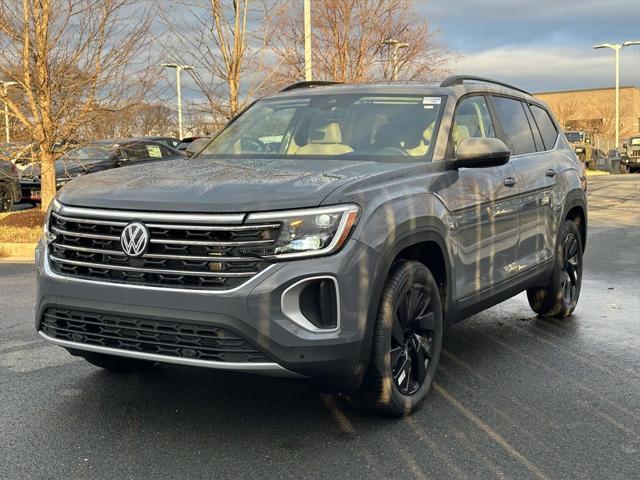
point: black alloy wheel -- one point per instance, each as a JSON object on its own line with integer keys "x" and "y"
{"x": 412, "y": 345}
{"x": 571, "y": 268}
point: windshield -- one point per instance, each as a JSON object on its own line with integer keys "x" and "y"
{"x": 90, "y": 152}
{"x": 574, "y": 136}
{"x": 634, "y": 141}
{"x": 344, "y": 125}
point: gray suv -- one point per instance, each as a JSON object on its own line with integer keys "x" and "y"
{"x": 329, "y": 233}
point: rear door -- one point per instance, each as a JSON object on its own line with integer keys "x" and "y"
{"x": 481, "y": 204}
{"x": 531, "y": 136}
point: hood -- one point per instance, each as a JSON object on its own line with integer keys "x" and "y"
{"x": 215, "y": 185}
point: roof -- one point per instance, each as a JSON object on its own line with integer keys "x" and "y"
{"x": 401, "y": 88}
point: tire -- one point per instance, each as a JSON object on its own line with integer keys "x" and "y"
{"x": 624, "y": 168}
{"x": 6, "y": 198}
{"x": 403, "y": 336}
{"x": 117, "y": 364}
{"x": 560, "y": 296}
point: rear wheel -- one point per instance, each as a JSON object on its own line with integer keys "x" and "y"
{"x": 560, "y": 296}
{"x": 116, "y": 364}
{"x": 407, "y": 342}
{"x": 6, "y": 198}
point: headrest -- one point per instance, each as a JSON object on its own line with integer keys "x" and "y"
{"x": 326, "y": 133}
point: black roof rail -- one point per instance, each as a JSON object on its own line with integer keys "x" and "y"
{"x": 308, "y": 84}
{"x": 460, "y": 79}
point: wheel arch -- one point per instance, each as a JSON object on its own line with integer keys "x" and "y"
{"x": 575, "y": 209}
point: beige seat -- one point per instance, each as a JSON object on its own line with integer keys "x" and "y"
{"x": 422, "y": 147}
{"x": 325, "y": 140}
{"x": 460, "y": 132}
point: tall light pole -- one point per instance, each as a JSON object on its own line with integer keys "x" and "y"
{"x": 395, "y": 45}
{"x": 307, "y": 40}
{"x": 5, "y": 85}
{"x": 616, "y": 47}
{"x": 178, "y": 68}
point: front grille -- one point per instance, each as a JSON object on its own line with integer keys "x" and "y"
{"x": 635, "y": 152}
{"x": 160, "y": 337}
{"x": 196, "y": 255}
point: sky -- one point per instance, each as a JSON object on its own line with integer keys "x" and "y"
{"x": 542, "y": 45}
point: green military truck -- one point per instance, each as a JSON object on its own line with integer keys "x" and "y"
{"x": 631, "y": 161}
{"x": 582, "y": 144}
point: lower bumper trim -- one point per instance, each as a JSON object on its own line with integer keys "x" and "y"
{"x": 265, "y": 368}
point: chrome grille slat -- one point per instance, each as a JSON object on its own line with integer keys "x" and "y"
{"x": 161, "y": 271}
{"x": 192, "y": 251}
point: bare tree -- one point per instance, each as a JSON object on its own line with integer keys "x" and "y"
{"x": 565, "y": 110}
{"x": 348, "y": 36}
{"x": 73, "y": 60}
{"x": 226, "y": 42}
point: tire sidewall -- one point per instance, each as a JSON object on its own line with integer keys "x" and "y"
{"x": 568, "y": 227}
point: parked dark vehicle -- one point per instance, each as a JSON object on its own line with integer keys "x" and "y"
{"x": 632, "y": 154}
{"x": 9, "y": 191}
{"x": 19, "y": 153}
{"x": 94, "y": 157}
{"x": 329, "y": 233}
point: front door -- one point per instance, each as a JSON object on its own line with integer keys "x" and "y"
{"x": 483, "y": 206}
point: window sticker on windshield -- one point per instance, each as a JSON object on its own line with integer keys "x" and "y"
{"x": 431, "y": 100}
{"x": 154, "y": 151}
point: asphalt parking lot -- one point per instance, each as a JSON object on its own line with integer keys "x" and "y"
{"x": 515, "y": 397}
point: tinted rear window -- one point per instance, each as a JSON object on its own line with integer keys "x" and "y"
{"x": 546, "y": 126}
{"x": 515, "y": 125}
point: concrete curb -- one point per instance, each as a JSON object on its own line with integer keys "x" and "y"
{"x": 17, "y": 252}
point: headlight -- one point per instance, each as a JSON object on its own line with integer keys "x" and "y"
{"x": 579, "y": 150}
{"x": 310, "y": 232}
{"x": 48, "y": 235}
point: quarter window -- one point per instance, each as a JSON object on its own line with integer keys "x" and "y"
{"x": 515, "y": 125}
{"x": 546, "y": 126}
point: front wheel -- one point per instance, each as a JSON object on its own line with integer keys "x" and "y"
{"x": 407, "y": 342}
{"x": 560, "y": 296}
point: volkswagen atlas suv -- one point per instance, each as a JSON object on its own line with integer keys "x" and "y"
{"x": 329, "y": 233}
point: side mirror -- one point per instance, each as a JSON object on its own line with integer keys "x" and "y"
{"x": 624, "y": 145}
{"x": 481, "y": 152}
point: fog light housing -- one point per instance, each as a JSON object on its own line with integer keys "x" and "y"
{"x": 313, "y": 304}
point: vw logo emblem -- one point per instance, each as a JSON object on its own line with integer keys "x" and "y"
{"x": 134, "y": 239}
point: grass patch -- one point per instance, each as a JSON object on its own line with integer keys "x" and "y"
{"x": 21, "y": 227}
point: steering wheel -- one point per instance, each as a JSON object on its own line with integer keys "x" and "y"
{"x": 253, "y": 144}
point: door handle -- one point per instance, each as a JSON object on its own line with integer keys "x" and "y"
{"x": 510, "y": 181}
{"x": 550, "y": 173}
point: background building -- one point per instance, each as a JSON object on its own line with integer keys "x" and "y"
{"x": 593, "y": 110}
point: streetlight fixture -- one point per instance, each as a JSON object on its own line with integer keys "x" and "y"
{"x": 5, "y": 85}
{"x": 616, "y": 47}
{"x": 396, "y": 45}
{"x": 178, "y": 68}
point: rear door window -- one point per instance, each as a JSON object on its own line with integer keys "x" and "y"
{"x": 515, "y": 126}
{"x": 545, "y": 125}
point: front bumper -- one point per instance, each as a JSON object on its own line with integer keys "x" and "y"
{"x": 253, "y": 310}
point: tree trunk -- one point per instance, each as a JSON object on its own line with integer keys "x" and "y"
{"x": 47, "y": 177}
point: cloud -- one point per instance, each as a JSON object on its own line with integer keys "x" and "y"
{"x": 540, "y": 68}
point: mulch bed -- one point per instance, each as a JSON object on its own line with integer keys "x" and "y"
{"x": 33, "y": 218}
